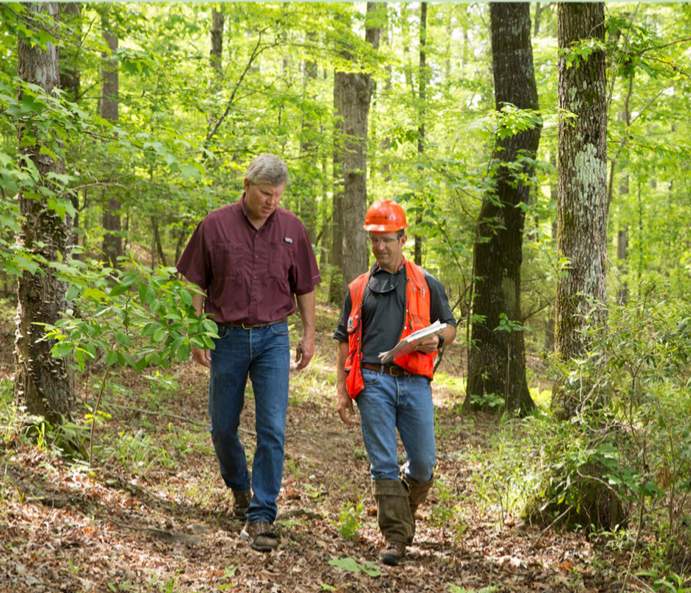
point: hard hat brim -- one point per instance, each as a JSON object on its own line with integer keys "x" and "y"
{"x": 383, "y": 228}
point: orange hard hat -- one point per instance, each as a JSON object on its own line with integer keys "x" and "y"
{"x": 385, "y": 215}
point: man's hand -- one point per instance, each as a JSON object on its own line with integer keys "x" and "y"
{"x": 429, "y": 345}
{"x": 345, "y": 407}
{"x": 203, "y": 357}
{"x": 304, "y": 352}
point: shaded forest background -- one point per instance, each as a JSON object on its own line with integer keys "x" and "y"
{"x": 541, "y": 152}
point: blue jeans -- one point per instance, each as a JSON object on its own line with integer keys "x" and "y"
{"x": 264, "y": 354}
{"x": 405, "y": 403}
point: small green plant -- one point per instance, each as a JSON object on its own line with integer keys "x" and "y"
{"x": 447, "y": 513}
{"x": 349, "y": 519}
{"x": 351, "y": 565}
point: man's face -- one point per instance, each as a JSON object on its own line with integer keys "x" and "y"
{"x": 261, "y": 199}
{"x": 387, "y": 247}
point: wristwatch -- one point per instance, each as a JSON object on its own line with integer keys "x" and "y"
{"x": 440, "y": 345}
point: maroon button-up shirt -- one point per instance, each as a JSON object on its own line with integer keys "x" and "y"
{"x": 250, "y": 275}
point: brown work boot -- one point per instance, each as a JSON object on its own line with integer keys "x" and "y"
{"x": 260, "y": 536}
{"x": 393, "y": 553}
{"x": 241, "y": 501}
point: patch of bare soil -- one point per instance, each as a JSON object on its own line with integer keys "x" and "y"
{"x": 154, "y": 515}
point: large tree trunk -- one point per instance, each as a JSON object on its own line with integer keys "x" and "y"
{"x": 497, "y": 365}
{"x": 112, "y": 224}
{"x": 582, "y": 206}
{"x": 357, "y": 94}
{"x": 43, "y": 382}
{"x": 422, "y": 98}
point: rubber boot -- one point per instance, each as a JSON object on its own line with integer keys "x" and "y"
{"x": 394, "y": 518}
{"x": 417, "y": 492}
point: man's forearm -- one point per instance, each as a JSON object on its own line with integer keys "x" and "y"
{"x": 198, "y": 303}
{"x": 307, "y": 303}
{"x": 340, "y": 365}
{"x": 449, "y": 334}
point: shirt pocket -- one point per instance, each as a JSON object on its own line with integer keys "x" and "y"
{"x": 229, "y": 260}
{"x": 281, "y": 259}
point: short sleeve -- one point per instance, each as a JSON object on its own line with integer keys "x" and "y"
{"x": 195, "y": 261}
{"x": 439, "y": 305}
{"x": 341, "y": 333}
{"x": 306, "y": 274}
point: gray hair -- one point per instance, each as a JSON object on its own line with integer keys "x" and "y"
{"x": 267, "y": 168}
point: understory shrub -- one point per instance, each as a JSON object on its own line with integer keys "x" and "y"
{"x": 623, "y": 458}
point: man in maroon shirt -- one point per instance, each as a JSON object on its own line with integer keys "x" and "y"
{"x": 250, "y": 258}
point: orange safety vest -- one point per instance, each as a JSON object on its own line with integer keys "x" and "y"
{"x": 417, "y": 316}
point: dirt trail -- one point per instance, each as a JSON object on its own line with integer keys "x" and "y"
{"x": 156, "y": 518}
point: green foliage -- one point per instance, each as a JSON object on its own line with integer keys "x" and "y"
{"x": 132, "y": 316}
{"x": 349, "y": 520}
{"x": 351, "y": 565}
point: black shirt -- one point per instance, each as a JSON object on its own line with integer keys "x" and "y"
{"x": 383, "y": 311}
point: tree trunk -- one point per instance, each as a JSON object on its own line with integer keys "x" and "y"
{"x": 582, "y": 206}
{"x": 553, "y": 196}
{"x": 357, "y": 94}
{"x": 216, "y": 52}
{"x": 336, "y": 289}
{"x": 43, "y": 382}
{"x": 538, "y": 14}
{"x": 497, "y": 366}
{"x": 112, "y": 224}
{"x": 422, "y": 98}
{"x": 308, "y": 161}
{"x": 69, "y": 70}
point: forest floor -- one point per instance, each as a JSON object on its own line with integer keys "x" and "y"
{"x": 154, "y": 515}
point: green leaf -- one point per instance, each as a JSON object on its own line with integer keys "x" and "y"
{"x": 62, "y": 349}
{"x": 183, "y": 352}
{"x": 124, "y": 339}
{"x": 345, "y": 563}
{"x": 72, "y": 292}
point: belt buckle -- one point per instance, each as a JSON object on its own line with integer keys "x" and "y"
{"x": 396, "y": 371}
{"x": 249, "y": 326}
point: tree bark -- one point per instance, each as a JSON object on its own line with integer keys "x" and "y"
{"x": 497, "y": 365}
{"x": 357, "y": 95}
{"x": 43, "y": 382}
{"x": 422, "y": 98}
{"x": 582, "y": 206}
{"x": 69, "y": 70}
{"x": 216, "y": 52}
{"x": 112, "y": 223}
{"x": 336, "y": 292}
{"x": 308, "y": 160}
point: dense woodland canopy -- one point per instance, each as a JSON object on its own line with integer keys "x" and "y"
{"x": 541, "y": 152}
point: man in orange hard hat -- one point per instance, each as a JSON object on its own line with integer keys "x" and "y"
{"x": 395, "y": 298}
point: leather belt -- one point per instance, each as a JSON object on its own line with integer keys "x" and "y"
{"x": 394, "y": 371}
{"x": 243, "y": 325}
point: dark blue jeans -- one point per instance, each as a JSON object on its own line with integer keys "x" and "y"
{"x": 264, "y": 354}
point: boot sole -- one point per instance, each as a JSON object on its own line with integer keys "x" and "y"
{"x": 256, "y": 547}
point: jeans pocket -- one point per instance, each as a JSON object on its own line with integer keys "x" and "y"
{"x": 370, "y": 377}
{"x": 279, "y": 329}
{"x": 222, "y": 331}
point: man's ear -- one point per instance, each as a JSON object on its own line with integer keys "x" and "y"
{"x": 404, "y": 238}
{"x": 246, "y": 183}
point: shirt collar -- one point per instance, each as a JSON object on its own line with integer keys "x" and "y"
{"x": 375, "y": 268}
